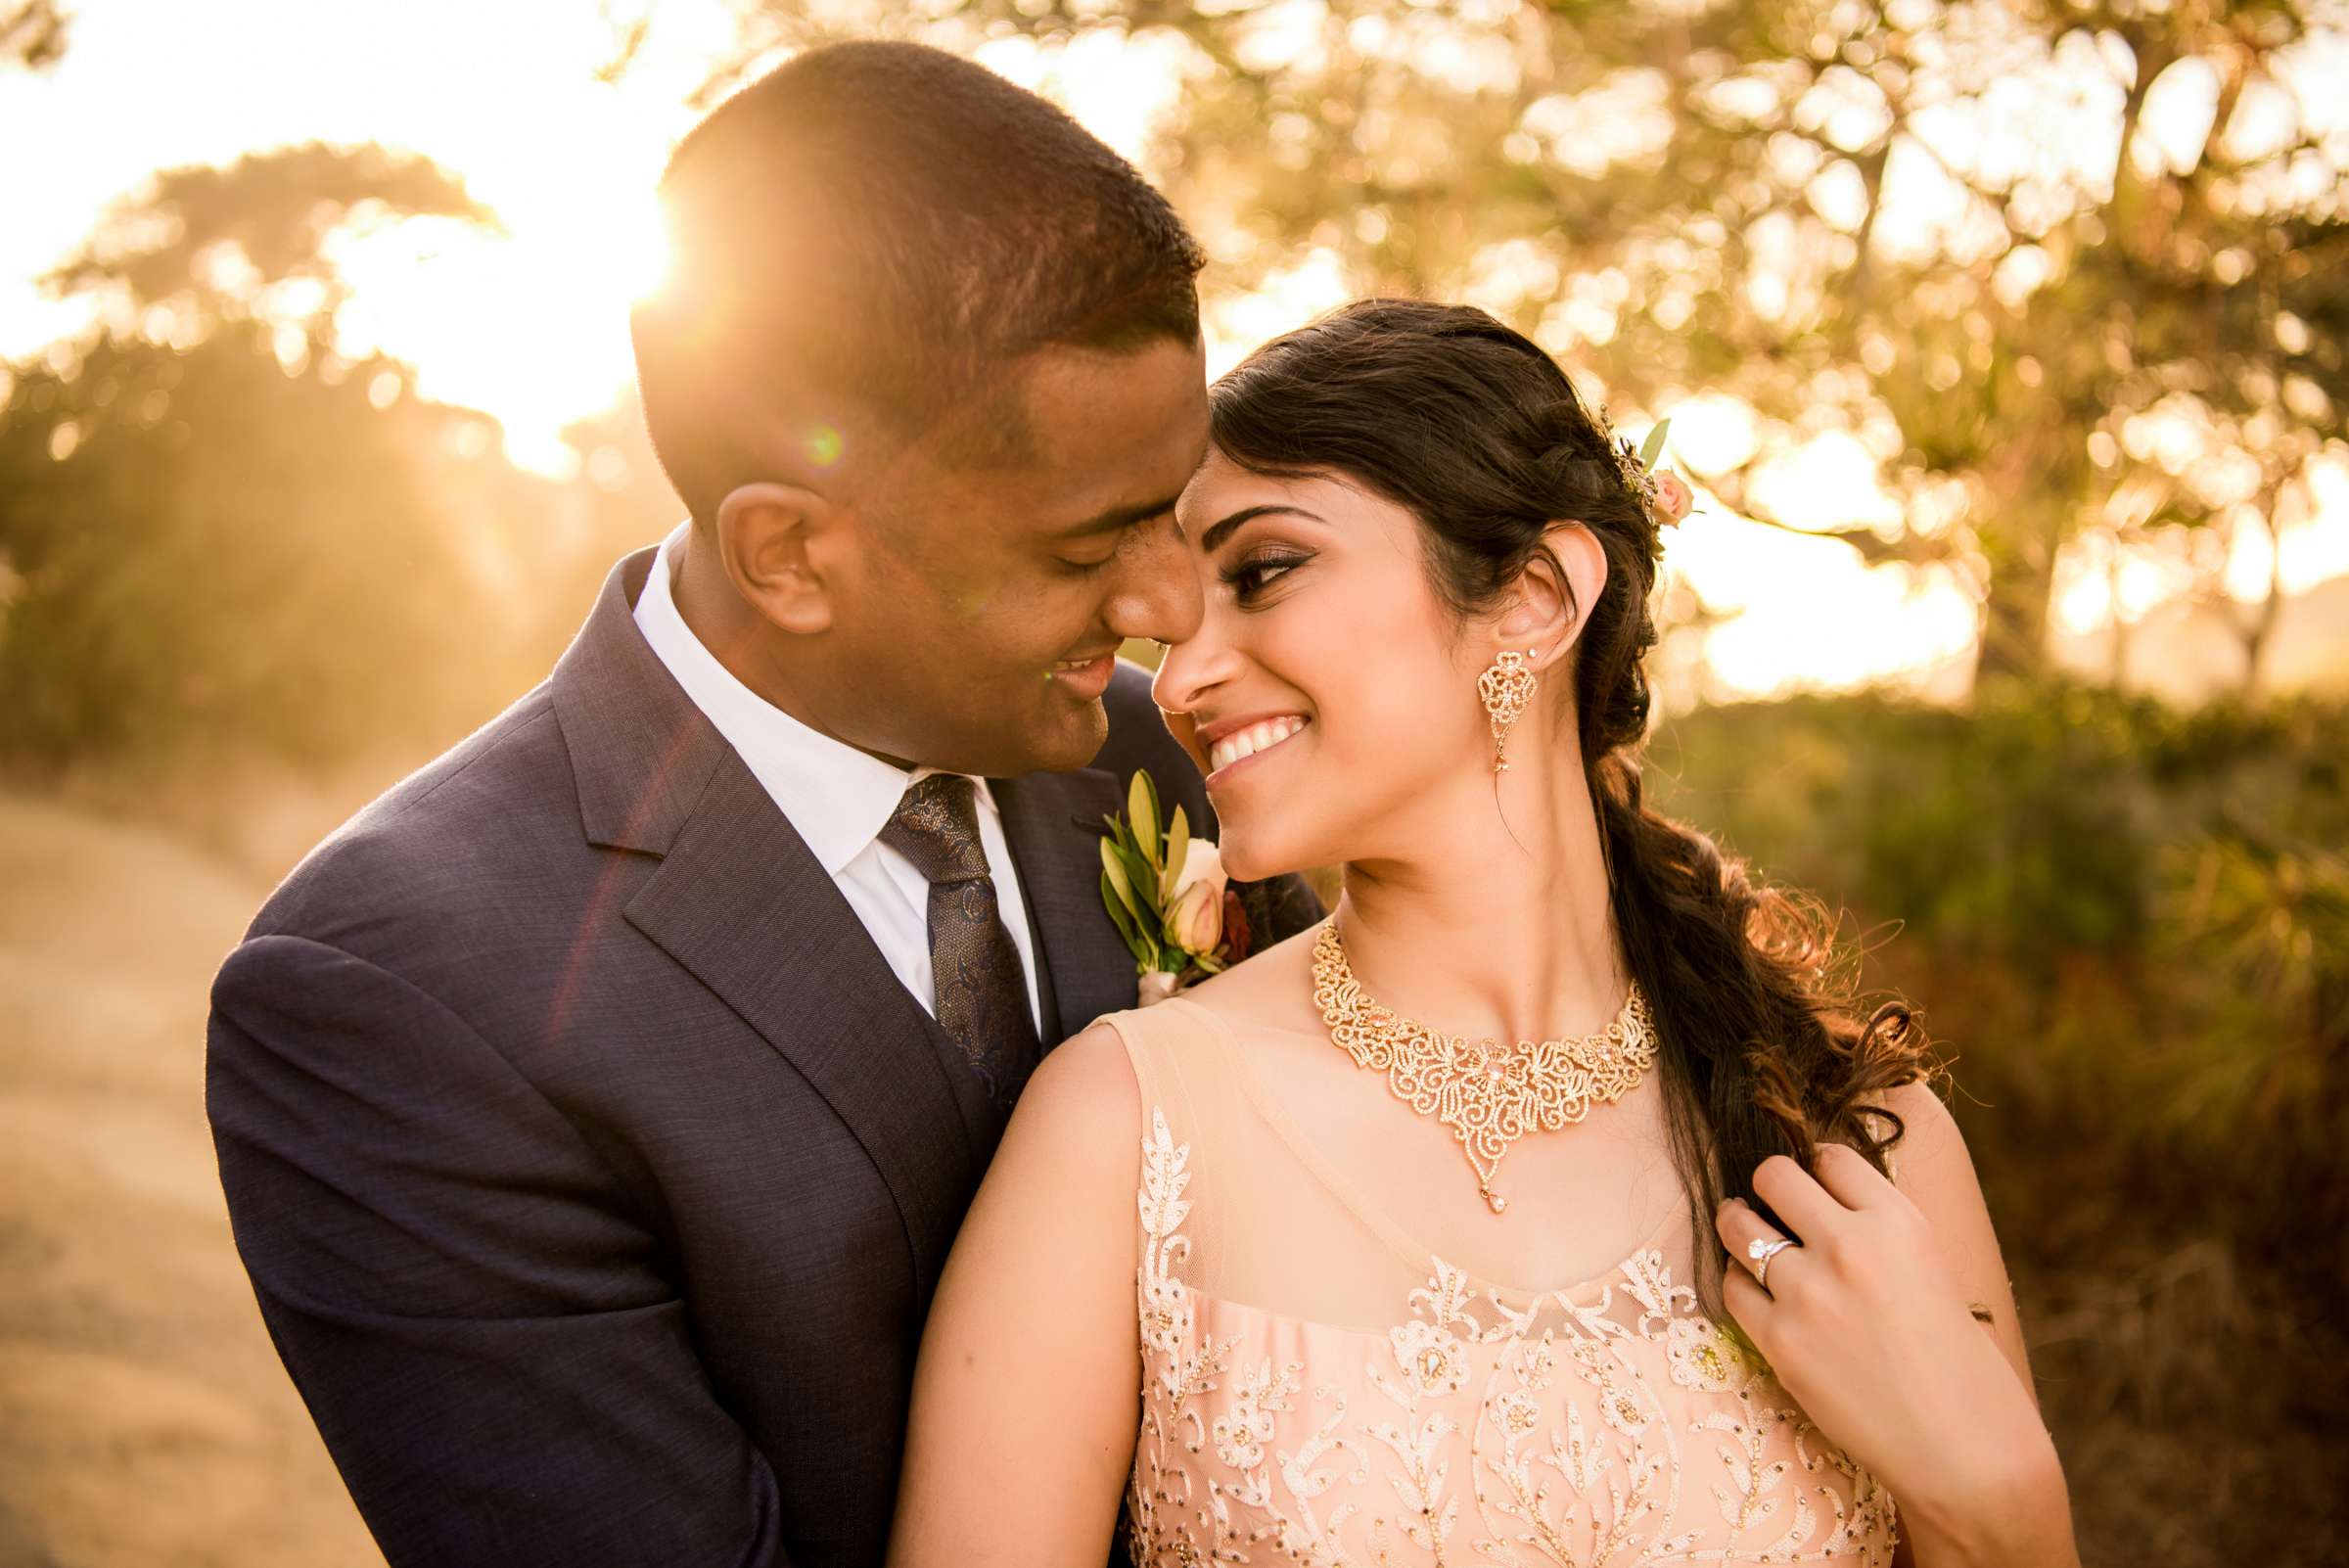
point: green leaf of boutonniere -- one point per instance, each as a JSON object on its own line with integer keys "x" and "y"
{"x": 1144, "y": 857}
{"x": 1179, "y": 850}
{"x": 1113, "y": 867}
{"x": 1136, "y": 915}
{"x": 1113, "y": 898}
{"x": 1141, "y": 881}
{"x": 1142, "y": 814}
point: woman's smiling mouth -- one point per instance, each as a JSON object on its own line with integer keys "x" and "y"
{"x": 1236, "y": 744}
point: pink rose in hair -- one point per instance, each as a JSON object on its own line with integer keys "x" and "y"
{"x": 1672, "y": 496}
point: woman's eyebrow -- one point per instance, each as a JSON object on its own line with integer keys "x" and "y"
{"x": 1214, "y": 538}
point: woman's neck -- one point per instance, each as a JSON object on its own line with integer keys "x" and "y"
{"x": 1502, "y": 926}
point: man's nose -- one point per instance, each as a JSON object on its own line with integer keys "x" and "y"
{"x": 1157, "y": 595}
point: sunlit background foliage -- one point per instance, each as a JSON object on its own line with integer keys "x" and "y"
{"x": 2003, "y": 343}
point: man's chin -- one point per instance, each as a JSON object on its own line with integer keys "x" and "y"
{"x": 1065, "y": 738}
{"x": 1074, "y": 740}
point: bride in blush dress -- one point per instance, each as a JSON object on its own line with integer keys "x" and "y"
{"x": 1552, "y": 1203}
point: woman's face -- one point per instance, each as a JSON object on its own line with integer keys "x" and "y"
{"x": 1329, "y": 695}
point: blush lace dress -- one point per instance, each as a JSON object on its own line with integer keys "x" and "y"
{"x": 1320, "y": 1389}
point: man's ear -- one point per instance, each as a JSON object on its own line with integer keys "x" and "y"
{"x": 1554, "y": 594}
{"x": 775, "y": 540}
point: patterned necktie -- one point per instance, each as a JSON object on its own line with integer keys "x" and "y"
{"x": 982, "y": 989}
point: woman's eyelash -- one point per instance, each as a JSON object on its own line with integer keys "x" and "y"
{"x": 1252, "y": 575}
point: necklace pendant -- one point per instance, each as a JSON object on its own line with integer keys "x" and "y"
{"x": 1498, "y": 1202}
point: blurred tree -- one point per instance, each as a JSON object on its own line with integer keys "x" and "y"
{"x": 1955, "y": 232}
{"x": 203, "y": 244}
{"x": 2271, "y": 908}
{"x": 216, "y": 531}
{"x": 2128, "y": 927}
{"x": 204, "y": 549}
{"x": 33, "y": 34}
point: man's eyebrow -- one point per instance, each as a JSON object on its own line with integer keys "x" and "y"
{"x": 1119, "y": 517}
{"x": 1213, "y": 539}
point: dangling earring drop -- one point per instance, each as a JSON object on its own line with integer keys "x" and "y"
{"x": 1506, "y": 688}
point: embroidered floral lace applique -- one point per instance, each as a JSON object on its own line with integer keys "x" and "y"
{"x": 1574, "y": 1429}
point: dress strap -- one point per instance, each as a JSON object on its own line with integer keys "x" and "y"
{"x": 1174, "y": 1069}
{"x": 1164, "y": 1045}
{"x": 1140, "y": 1034}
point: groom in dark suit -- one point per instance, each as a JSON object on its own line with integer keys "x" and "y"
{"x": 596, "y": 1109}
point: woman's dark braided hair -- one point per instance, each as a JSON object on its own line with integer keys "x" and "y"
{"x": 1477, "y": 432}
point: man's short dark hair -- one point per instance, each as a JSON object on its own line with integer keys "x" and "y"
{"x": 869, "y": 238}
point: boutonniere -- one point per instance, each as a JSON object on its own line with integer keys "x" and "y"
{"x": 1167, "y": 894}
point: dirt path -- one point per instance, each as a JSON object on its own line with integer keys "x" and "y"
{"x": 144, "y": 1418}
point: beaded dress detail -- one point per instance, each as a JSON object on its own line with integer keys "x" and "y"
{"x": 1317, "y": 1389}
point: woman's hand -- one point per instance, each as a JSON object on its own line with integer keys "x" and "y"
{"x": 1865, "y": 1324}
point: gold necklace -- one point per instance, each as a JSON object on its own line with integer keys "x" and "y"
{"x": 1488, "y": 1097}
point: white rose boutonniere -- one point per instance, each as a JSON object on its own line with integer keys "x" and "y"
{"x": 1168, "y": 896}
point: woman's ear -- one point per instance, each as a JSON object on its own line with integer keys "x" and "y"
{"x": 775, "y": 540}
{"x": 1554, "y": 594}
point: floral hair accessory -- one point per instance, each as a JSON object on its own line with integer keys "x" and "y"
{"x": 1168, "y": 896}
{"x": 1664, "y": 493}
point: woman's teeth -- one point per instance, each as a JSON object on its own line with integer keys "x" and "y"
{"x": 1254, "y": 738}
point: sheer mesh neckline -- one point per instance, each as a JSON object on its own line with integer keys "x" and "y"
{"x": 1396, "y": 1236}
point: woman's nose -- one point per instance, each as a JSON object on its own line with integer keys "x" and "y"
{"x": 1193, "y": 667}
{"x": 1176, "y": 689}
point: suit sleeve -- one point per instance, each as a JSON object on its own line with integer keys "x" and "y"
{"x": 456, "y": 1283}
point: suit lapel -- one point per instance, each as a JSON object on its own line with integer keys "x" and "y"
{"x": 742, "y": 903}
{"x": 1054, "y": 823}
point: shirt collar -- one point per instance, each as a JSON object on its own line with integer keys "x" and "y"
{"x": 836, "y": 797}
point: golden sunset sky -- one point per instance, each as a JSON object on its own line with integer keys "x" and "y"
{"x": 531, "y": 328}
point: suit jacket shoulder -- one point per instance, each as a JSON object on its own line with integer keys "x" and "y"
{"x": 449, "y": 849}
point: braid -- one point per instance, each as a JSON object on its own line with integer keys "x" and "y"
{"x": 1756, "y": 1003}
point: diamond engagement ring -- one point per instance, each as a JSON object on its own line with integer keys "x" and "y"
{"x": 1761, "y": 1250}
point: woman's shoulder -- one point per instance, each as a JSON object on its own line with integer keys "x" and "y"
{"x": 1071, "y": 1154}
{"x": 1272, "y": 988}
{"x": 1929, "y": 1149}
{"x": 1084, "y": 1088}
{"x": 1099, "y": 1087}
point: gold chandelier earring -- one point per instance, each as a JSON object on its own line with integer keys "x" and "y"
{"x": 1508, "y": 689}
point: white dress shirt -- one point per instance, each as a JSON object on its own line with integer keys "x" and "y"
{"x": 838, "y": 798}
